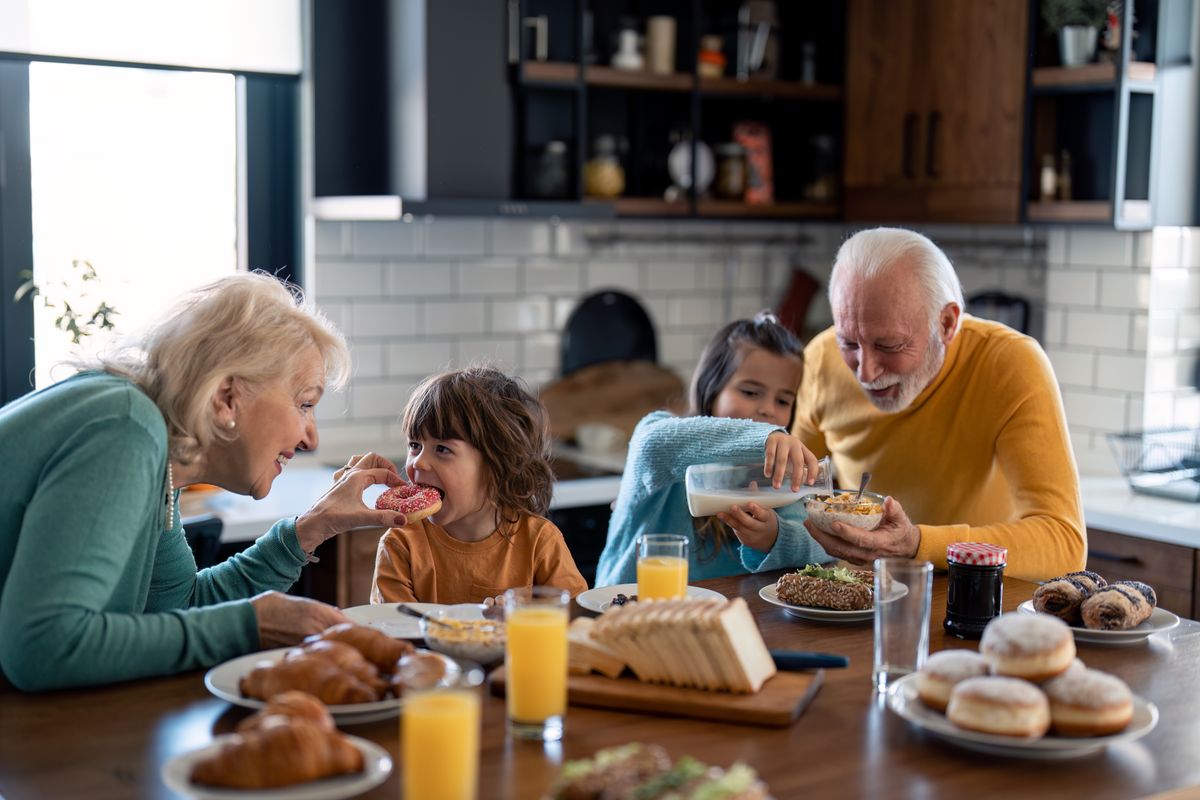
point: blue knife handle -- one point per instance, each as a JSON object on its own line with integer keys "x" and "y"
{"x": 796, "y": 659}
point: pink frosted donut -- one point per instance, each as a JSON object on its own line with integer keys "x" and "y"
{"x": 416, "y": 501}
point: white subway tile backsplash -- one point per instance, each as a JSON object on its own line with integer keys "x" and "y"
{"x": 552, "y": 275}
{"x": 1121, "y": 373}
{"x": 367, "y": 359}
{"x": 334, "y": 405}
{"x": 380, "y": 399}
{"x": 1188, "y": 331}
{"x": 521, "y": 238}
{"x": 562, "y": 311}
{"x": 337, "y": 436}
{"x": 568, "y": 238}
{"x": 1143, "y": 249}
{"x": 541, "y": 351}
{"x": 1159, "y": 408}
{"x": 1161, "y": 335}
{"x": 391, "y": 239}
{"x": 749, "y": 276}
{"x": 456, "y": 237}
{"x": 1072, "y": 287}
{"x": 1176, "y": 289}
{"x": 492, "y": 277}
{"x": 702, "y": 312}
{"x": 351, "y": 279}
{"x": 1135, "y": 416}
{"x": 498, "y": 352}
{"x": 1125, "y": 290}
{"x": 672, "y": 276}
{"x": 521, "y": 316}
{"x": 330, "y": 238}
{"x": 746, "y": 304}
{"x": 382, "y": 319}
{"x": 1099, "y": 247}
{"x": 419, "y": 357}
{"x": 1171, "y": 372}
{"x": 441, "y": 318}
{"x": 1168, "y": 247}
{"x": 407, "y": 280}
{"x": 1056, "y": 245}
{"x": 1139, "y": 332}
{"x": 1187, "y": 410}
{"x": 335, "y": 311}
{"x": 624, "y": 275}
{"x": 1073, "y": 367}
{"x": 676, "y": 347}
{"x": 1096, "y": 329}
{"x": 1103, "y": 411}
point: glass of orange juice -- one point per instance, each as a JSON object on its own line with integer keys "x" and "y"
{"x": 439, "y": 739}
{"x": 662, "y": 566}
{"x": 535, "y": 661}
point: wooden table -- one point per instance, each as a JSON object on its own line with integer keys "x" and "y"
{"x": 111, "y": 742}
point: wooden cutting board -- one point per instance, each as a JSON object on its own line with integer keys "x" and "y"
{"x": 778, "y": 704}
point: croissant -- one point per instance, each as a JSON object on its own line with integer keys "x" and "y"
{"x": 1063, "y": 596}
{"x": 380, "y": 649}
{"x": 1119, "y": 606}
{"x": 345, "y": 658}
{"x": 281, "y": 753}
{"x": 309, "y": 674}
{"x": 293, "y": 704}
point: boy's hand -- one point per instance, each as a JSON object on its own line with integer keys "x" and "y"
{"x": 755, "y": 526}
{"x": 493, "y": 607}
{"x": 783, "y": 451}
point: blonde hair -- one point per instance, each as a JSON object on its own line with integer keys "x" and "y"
{"x": 250, "y": 327}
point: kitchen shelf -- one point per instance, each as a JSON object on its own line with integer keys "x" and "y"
{"x": 550, "y": 73}
{"x": 1090, "y": 76}
{"x": 735, "y": 208}
{"x": 783, "y": 90}
{"x": 1070, "y": 211}
{"x": 645, "y": 81}
{"x": 643, "y": 206}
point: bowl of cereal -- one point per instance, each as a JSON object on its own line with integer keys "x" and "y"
{"x": 865, "y": 513}
{"x": 462, "y": 631}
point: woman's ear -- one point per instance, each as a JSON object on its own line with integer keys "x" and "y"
{"x": 225, "y": 400}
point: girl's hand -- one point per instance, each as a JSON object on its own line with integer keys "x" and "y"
{"x": 783, "y": 451}
{"x": 755, "y": 526}
{"x": 493, "y": 607}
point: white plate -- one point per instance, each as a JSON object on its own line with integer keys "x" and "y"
{"x": 377, "y": 765}
{"x": 384, "y": 617}
{"x": 769, "y": 594}
{"x": 600, "y": 598}
{"x": 1160, "y": 620}
{"x": 222, "y": 681}
{"x": 903, "y": 700}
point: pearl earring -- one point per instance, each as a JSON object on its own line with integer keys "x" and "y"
{"x": 231, "y": 424}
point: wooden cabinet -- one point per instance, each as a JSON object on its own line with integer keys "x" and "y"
{"x": 935, "y": 95}
{"x": 1170, "y": 568}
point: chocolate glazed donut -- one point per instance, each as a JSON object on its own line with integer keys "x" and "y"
{"x": 1119, "y": 606}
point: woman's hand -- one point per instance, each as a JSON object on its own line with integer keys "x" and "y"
{"x": 342, "y": 507}
{"x": 283, "y": 620}
{"x": 783, "y": 451}
{"x": 755, "y": 526}
{"x": 896, "y": 536}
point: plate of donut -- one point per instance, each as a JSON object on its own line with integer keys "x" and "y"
{"x": 1160, "y": 620}
{"x": 904, "y": 700}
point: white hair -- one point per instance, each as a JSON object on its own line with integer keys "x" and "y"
{"x": 870, "y": 253}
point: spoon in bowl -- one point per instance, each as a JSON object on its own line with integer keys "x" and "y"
{"x": 862, "y": 487}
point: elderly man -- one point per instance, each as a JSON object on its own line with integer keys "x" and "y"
{"x": 958, "y": 418}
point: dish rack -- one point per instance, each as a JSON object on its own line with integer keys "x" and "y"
{"x": 1164, "y": 463}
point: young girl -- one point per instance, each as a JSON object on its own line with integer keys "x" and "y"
{"x": 742, "y": 399}
{"x": 482, "y": 440}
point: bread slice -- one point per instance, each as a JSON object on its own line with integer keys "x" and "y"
{"x": 586, "y": 655}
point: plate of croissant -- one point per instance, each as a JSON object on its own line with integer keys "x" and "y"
{"x": 290, "y": 749}
{"x": 356, "y": 671}
{"x": 1099, "y": 612}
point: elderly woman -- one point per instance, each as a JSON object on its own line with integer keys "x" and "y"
{"x": 97, "y": 583}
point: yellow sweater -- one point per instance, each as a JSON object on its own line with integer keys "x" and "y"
{"x": 423, "y": 563}
{"x": 981, "y": 455}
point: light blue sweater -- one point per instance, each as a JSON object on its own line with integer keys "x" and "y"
{"x": 653, "y": 499}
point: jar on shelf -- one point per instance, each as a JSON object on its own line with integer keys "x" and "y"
{"x": 731, "y": 171}
{"x": 603, "y": 175}
{"x": 710, "y": 61}
{"x": 550, "y": 179}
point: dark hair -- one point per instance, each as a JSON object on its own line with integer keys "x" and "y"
{"x": 498, "y": 416}
{"x": 723, "y": 355}
{"x": 720, "y": 359}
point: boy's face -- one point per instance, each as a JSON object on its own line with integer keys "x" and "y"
{"x": 456, "y": 467}
{"x": 762, "y": 388}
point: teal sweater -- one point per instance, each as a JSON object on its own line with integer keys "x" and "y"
{"x": 652, "y": 498}
{"x": 92, "y": 588}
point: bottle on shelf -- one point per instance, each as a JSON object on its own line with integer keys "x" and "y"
{"x": 1064, "y": 176}
{"x": 603, "y": 175}
{"x": 1049, "y": 178}
{"x": 710, "y": 61}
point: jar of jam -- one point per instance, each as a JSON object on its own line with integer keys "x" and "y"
{"x": 974, "y": 587}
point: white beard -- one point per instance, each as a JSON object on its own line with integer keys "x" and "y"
{"x": 910, "y": 385}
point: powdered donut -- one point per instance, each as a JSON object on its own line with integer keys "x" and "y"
{"x": 1004, "y": 706}
{"x": 415, "y": 501}
{"x": 1088, "y": 702}
{"x": 945, "y": 669}
{"x": 1035, "y": 647}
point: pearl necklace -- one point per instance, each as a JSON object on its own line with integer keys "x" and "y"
{"x": 170, "y": 496}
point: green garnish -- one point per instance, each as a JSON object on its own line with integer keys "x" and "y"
{"x": 839, "y": 574}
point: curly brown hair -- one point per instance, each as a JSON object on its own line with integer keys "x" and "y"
{"x": 499, "y": 417}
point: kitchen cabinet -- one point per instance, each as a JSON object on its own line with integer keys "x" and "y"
{"x": 935, "y": 96}
{"x": 1170, "y": 568}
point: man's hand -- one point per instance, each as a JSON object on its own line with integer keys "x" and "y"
{"x": 896, "y": 537}
{"x": 755, "y": 526}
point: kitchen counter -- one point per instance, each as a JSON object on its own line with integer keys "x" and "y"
{"x": 1109, "y": 504}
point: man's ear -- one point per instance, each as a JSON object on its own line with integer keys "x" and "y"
{"x": 948, "y": 321}
{"x": 225, "y": 400}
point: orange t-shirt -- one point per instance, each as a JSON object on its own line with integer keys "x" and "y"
{"x": 423, "y": 563}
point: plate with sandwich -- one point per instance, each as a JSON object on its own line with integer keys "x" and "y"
{"x": 828, "y": 594}
{"x": 647, "y": 771}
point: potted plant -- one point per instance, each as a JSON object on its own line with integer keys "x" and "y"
{"x": 56, "y": 295}
{"x": 1076, "y": 22}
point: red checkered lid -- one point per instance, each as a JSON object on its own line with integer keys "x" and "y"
{"x": 980, "y": 554}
